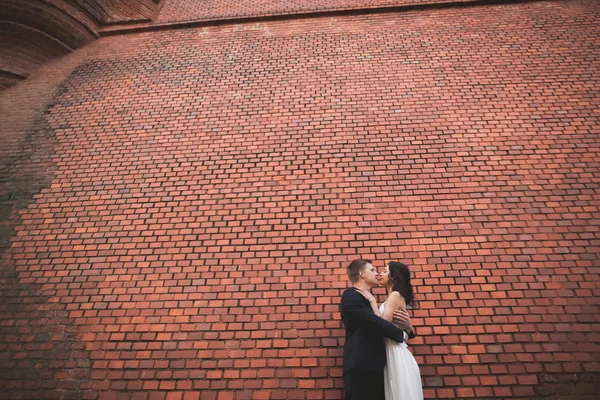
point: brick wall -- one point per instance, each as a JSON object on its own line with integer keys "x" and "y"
{"x": 207, "y": 187}
{"x": 115, "y": 11}
{"x": 184, "y": 10}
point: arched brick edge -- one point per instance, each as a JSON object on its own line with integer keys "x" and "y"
{"x": 36, "y": 31}
{"x": 63, "y": 21}
{"x": 22, "y": 49}
{"x": 8, "y": 80}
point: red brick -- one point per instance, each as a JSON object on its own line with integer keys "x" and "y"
{"x": 195, "y": 195}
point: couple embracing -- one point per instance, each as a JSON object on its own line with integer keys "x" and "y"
{"x": 377, "y": 362}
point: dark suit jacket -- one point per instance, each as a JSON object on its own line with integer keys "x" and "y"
{"x": 364, "y": 348}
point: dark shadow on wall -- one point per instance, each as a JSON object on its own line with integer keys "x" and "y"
{"x": 40, "y": 354}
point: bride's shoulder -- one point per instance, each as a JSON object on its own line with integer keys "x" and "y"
{"x": 395, "y": 295}
{"x": 396, "y": 298}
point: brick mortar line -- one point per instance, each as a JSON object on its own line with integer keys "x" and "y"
{"x": 112, "y": 30}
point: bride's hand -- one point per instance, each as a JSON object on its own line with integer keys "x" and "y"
{"x": 366, "y": 294}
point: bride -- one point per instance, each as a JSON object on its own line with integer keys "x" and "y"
{"x": 402, "y": 377}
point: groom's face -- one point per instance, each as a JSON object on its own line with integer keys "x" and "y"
{"x": 370, "y": 275}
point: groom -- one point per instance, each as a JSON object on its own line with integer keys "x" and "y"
{"x": 364, "y": 351}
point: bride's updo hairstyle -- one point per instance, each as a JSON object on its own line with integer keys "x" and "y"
{"x": 400, "y": 281}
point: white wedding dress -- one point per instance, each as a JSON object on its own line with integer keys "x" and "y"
{"x": 401, "y": 374}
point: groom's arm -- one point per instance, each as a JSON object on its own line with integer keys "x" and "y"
{"x": 402, "y": 318}
{"x": 353, "y": 305}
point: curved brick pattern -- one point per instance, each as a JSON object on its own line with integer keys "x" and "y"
{"x": 34, "y": 32}
{"x": 60, "y": 23}
{"x": 188, "y": 10}
{"x": 23, "y": 49}
{"x": 39, "y": 30}
{"x": 211, "y": 184}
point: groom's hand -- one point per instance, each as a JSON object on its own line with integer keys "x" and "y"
{"x": 402, "y": 318}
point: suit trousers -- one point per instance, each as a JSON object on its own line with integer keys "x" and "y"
{"x": 364, "y": 384}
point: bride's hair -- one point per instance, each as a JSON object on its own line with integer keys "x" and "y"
{"x": 400, "y": 281}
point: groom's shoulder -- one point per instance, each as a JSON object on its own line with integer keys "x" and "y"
{"x": 349, "y": 292}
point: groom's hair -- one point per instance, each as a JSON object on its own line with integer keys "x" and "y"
{"x": 355, "y": 267}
